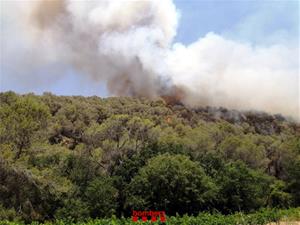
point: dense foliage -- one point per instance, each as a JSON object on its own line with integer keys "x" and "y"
{"x": 86, "y": 157}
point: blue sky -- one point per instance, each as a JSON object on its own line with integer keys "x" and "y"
{"x": 251, "y": 21}
{"x": 256, "y": 22}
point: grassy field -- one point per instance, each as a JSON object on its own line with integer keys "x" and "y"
{"x": 266, "y": 216}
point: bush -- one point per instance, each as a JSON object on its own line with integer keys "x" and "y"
{"x": 261, "y": 217}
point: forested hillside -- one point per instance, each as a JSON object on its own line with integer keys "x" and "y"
{"x": 90, "y": 157}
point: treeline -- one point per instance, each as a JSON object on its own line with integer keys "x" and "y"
{"x": 87, "y": 157}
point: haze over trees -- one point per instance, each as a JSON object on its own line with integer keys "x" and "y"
{"x": 87, "y": 157}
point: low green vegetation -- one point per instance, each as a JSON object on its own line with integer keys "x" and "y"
{"x": 91, "y": 159}
{"x": 261, "y": 217}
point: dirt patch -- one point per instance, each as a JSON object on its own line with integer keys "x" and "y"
{"x": 286, "y": 223}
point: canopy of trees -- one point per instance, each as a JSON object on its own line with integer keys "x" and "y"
{"x": 79, "y": 157}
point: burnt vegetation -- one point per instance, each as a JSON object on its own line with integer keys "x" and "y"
{"x": 87, "y": 157}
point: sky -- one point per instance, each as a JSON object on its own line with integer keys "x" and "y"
{"x": 244, "y": 20}
{"x": 256, "y": 22}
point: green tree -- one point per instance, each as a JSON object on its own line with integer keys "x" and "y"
{"x": 172, "y": 183}
{"x": 241, "y": 188}
{"x": 294, "y": 180}
{"x": 279, "y": 197}
{"x": 73, "y": 209}
{"x": 243, "y": 147}
{"x": 81, "y": 167}
{"x": 23, "y": 192}
{"x": 101, "y": 197}
{"x": 20, "y": 121}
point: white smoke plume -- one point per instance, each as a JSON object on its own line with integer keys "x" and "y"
{"x": 129, "y": 46}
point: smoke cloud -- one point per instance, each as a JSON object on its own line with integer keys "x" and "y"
{"x": 129, "y": 46}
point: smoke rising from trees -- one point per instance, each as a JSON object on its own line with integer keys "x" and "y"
{"x": 129, "y": 45}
